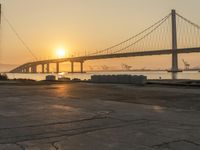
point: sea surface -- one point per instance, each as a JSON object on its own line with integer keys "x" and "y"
{"x": 195, "y": 75}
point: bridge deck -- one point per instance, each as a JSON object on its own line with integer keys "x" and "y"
{"x": 109, "y": 56}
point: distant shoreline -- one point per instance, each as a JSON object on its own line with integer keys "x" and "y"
{"x": 138, "y": 70}
{"x": 156, "y": 82}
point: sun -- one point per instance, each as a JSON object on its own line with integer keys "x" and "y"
{"x": 60, "y": 52}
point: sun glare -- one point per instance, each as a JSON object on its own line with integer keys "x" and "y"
{"x": 60, "y": 52}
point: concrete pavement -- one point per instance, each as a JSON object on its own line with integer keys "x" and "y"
{"x": 85, "y": 116}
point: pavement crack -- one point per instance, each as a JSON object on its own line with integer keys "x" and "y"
{"x": 167, "y": 144}
{"x": 55, "y": 123}
{"x": 66, "y": 133}
{"x": 191, "y": 142}
{"x": 179, "y": 124}
{"x": 105, "y": 128}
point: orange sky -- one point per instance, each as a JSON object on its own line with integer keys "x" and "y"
{"x": 85, "y": 26}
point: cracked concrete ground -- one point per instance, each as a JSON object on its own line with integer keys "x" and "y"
{"x": 82, "y": 116}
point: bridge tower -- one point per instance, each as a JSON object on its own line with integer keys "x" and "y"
{"x": 0, "y": 12}
{"x": 174, "y": 43}
{"x": 0, "y": 31}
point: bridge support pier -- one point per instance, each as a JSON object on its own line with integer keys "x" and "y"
{"x": 81, "y": 66}
{"x": 24, "y": 70}
{"x": 47, "y": 69}
{"x": 43, "y": 70}
{"x": 34, "y": 69}
{"x": 57, "y": 67}
{"x": 27, "y": 69}
{"x": 72, "y": 67}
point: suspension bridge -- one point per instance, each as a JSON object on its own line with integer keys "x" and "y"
{"x": 172, "y": 35}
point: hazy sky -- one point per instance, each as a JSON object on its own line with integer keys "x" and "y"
{"x": 86, "y": 25}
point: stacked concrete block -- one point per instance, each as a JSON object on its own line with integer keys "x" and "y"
{"x": 122, "y": 79}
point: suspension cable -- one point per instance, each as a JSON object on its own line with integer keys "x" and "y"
{"x": 132, "y": 36}
{"x": 187, "y": 20}
{"x": 144, "y": 35}
{"x": 19, "y": 38}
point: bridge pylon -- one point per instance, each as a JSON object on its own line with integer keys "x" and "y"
{"x": 174, "y": 43}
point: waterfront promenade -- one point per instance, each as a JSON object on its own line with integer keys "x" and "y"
{"x": 86, "y": 116}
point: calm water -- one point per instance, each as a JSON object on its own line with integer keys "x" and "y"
{"x": 150, "y": 75}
